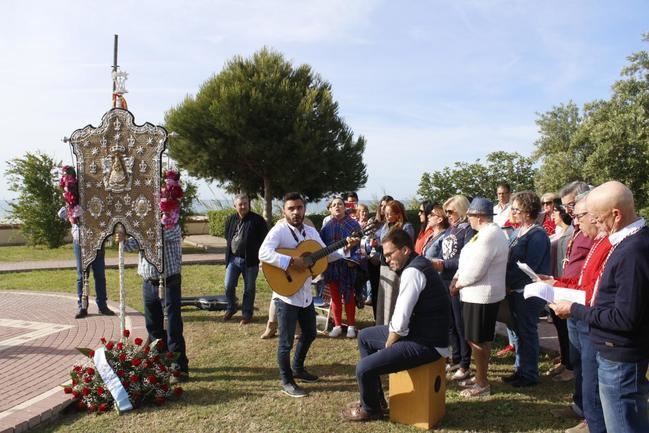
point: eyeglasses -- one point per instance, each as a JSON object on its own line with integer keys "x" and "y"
{"x": 388, "y": 254}
{"x": 515, "y": 210}
{"x": 570, "y": 205}
{"x": 579, "y": 216}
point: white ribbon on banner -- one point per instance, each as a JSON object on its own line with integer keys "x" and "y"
{"x": 112, "y": 382}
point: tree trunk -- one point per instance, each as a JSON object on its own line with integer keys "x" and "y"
{"x": 268, "y": 202}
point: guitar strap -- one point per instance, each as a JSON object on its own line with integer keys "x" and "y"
{"x": 303, "y": 233}
{"x": 297, "y": 241}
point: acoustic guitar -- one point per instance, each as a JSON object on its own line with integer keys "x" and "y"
{"x": 288, "y": 282}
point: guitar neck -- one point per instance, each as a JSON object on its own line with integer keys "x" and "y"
{"x": 328, "y": 250}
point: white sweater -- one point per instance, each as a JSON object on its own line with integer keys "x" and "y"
{"x": 482, "y": 266}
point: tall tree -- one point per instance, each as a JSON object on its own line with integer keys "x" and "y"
{"x": 560, "y": 154}
{"x": 610, "y": 140}
{"x": 263, "y": 126}
{"x": 478, "y": 179}
{"x": 618, "y": 131}
{"x": 34, "y": 177}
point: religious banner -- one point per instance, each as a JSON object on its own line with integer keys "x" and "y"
{"x": 118, "y": 171}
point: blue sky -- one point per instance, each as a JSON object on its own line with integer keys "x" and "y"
{"x": 427, "y": 83}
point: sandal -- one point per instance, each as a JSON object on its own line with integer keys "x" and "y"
{"x": 476, "y": 391}
{"x": 468, "y": 383}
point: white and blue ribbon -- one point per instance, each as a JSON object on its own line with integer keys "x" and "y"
{"x": 112, "y": 382}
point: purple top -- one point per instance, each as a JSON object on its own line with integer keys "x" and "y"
{"x": 578, "y": 248}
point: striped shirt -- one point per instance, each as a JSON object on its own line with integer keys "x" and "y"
{"x": 172, "y": 254}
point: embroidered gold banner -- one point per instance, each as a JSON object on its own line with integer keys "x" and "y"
{"x": 118, "y": 171}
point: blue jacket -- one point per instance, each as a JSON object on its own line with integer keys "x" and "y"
{"x": 454, "y": 240}
{"x": 619, "y": 320}
{"x": 532, "y": 248}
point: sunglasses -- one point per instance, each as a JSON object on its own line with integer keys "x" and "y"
{"x": 449, "y": 211}
{"x": 548, "y": 203}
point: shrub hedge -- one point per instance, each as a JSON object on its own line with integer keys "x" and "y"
{"x": 216, "y": 220}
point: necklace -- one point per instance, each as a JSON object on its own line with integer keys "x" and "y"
{"x": 601, "y": 271}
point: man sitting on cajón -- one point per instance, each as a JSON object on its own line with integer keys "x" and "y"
{"x": 416, "y": 335}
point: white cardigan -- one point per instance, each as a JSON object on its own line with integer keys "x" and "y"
{"x": 482, "y": 266}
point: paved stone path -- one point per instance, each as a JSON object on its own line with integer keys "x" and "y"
{"x": 38, "y": 341}
{"x": 39, "y": 337}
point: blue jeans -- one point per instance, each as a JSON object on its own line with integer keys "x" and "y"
{"x": 623, "y": 389}
{"x": 287, "y": 316}
{"x": 154, "y": 317}
{"x": 377, "y": 360}
{"x": 235, "y": 268}
{"x": 98, "y": 272}
{"x": 525, "y": 317}
{"x": 584, "y": 362}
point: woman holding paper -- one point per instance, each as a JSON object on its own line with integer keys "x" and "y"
{"x": 480, "y": 281}
{"x": 530, "y": 245}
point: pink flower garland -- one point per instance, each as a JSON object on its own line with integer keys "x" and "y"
{"x": 170, "y": 194}
{"x": 68, "y": 183}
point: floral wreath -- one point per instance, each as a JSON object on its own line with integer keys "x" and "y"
{"x": 143, "y": 370}
{"x": 170, "y": 194}
{"x": 68, "y": 183}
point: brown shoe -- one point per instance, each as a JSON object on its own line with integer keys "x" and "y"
{"x": 358, "y": 414}
{"x": 228, "y": 315}
{"x": 270, "y": 332}
{"x": 245, "y": 321}
{"x": 382, "y": 402}
{"x": 565, "y": 376}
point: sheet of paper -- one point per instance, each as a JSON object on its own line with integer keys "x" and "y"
{"x": 530, "y": 273}
{"x": 553, "y": 294}
{"x": 540, "y": 290}
{"x": 572, "y": 295}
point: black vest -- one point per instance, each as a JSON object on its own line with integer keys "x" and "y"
{"x": 431, "y": 315}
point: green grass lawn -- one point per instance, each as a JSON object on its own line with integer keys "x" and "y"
{"x": 234, "y": 383}
{"x": 22, "y": 253}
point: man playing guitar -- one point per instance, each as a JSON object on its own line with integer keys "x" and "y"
{"x": 298, "y": 307}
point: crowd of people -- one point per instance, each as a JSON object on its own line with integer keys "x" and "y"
{"x": 439, "y": 292}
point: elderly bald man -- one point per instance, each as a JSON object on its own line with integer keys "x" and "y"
{"x": 618, "y": 314}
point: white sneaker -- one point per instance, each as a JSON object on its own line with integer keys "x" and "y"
{"x": 351, "y": 332}
{"x": 337, "y": 331}
{"x": 461, "y": 375}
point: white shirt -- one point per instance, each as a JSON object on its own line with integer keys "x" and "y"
{"x": 616, "y": 238}
{"x": 280, "y": 237}
{"x": 501, "y": 214}
{"x": 63, "y": 214}
{"x": 412, "y": 283}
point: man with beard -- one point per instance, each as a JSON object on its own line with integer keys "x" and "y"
{"x": 297, "y": 308}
